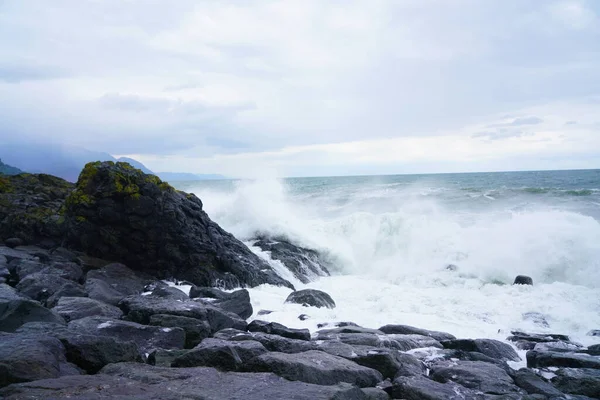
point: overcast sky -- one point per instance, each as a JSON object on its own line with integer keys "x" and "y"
{"x": 307, "y": 87}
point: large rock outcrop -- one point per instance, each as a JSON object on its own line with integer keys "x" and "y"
{"x": 119, "y": 213}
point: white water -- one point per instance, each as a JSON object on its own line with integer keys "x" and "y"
{"x": 390, "y": 244}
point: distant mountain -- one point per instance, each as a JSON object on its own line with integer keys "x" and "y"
{"x": 8, "y": 170}
{"x": 136, "y": 164}
{"x": 184, "y": 176}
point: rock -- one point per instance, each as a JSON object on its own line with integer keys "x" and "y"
{"x": 397, "y": 342}
{"x": 118, "y": 212}
{"x": 155, "y": 383}
{"x": 68, "y": 270}
{"x": 237, "y": 302}
{"x": 593, "y": 350}
{"x": 464, "y": 356}
{"x": 65, "y": 254}
{"x": 303, "y": 317}
{"x": 271, "y": 342}
{"x": 9, "y": 293}
{"x": 561, "y": 347}
{"x": 72, "y": 308}
{"x": 315, "y": 367}
{"x": 305, "y": 264}
{"x": 4, "y": 273}
{"x": 120, "y": 278}
{"x": 375, "y": 394}
{"x": 13, "y": 242}
{"x": 489, "y": 347}
{"x": 40, "y": 286}
{"x": 274, "y": 328}
{"x": 423, "y": 388}
{"x": 410, "y": 342}
{"x": 523, "y": 280}
{"x": 195, "y": 330}
{"x": 476, "y": 375}
{"x": 24, "y": 358}
{"x": 311, "y": 298}
{"x": 409, "y": 330}
{"x": 146, "y": 337}
{"x": 91, "y": 353}
{"x": 537, "y": 359}
{"x": 164, "y": 358}
{"x": 347, "y": 329}
{"x": 30, "y": 208}
{"x": 390, "y": 363}
{"x": 264, "y": 312}
{"x": 170, "y": 293}
{"x": 529, "y": 381}
{"x": 221, "y": 354}
{"x": 141, "y": 308}
{"x": 70, "y": 289}
{"x": 527, "y": 341}
{"x": 102, "y": 291}
{"x": 207, "y": 293}
{"x": 579, "y": 381}
{"x": 452, "y": 267}
{"x": 594, "y": 332}
{"x": 14, "y": 313}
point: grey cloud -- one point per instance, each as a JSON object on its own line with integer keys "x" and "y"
{"x": 22, "y": 73}
{"x": 519, "y": 122}
{"x": 571, "y": 123}
{"x": 501, "y": 134}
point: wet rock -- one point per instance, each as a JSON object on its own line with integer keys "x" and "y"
{"x": 594, "y": 332}
{"x": 580, "y": 381}
{"x": 347, "y": 329}
{"x": 423, "y": 388}
{"x": 102, "y": 291}
{"x": 315, "y": 367}
{"x": 523, "y": 280}
{"x": 146, "y": 337}
{"x": 13, "y": 242}
{"x": 271, "y": 342}
{"x": 141, "y": 308}
{"x": 221, "y": 354}
{"x": 195, "y": 330}
{"x": 311, "y": 298}
{"x": 305, "y": 264}
{"x": 303, "y": 317}
{"x": 25, "y": 358}
{"x": 120, "y": 278}
{"x": 462, "y": 355}
{"x": 9, "y": 293}
{"x": 390, "y": 363}
{"x": 410, "y": 342}
{"x": 164, "y": 358}
{"x": 14, "y": 313}
{"x": 527, "y": 341}
{"x": 91, "y": 353}
{"x": 207, "y": 293}
{"x": 118, "y": 212}
{"x": 375, "y": 394}
{"x": 237, "y": 302}
{"x": 397, "y": 342}
{"x": 476, "y": 375}
{"x": 274, "y": 328}
{"x": 409, "y": 330}
{"x": 72, "y": 308}
{"x": 264, "y": 312}
{"x": 40, "y": 286}
{"x": 561, "y": 347}
{"x": 537, "y": 359}
{"x": 529, "y": 381}
{"x": 593, "y": 350}
{"x": 70, "y": 289}
{"x": 170, "y": 293}
{"x": 489, "y": 347}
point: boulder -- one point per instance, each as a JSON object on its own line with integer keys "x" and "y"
{"x": 347, "y": 329}
{"x": 221, "y": 354}
{"x": 25, "y": 358}
{"x": 410, "y": 330}
{"x": 489, "y": 347}
{"x": 529, "y": 381}
{"x": 273, "y": 328}
{"x": 593, "y": 350}
{"x": 72, "y": 308}
{"x": 391, "y": 363}
{"x": 375, "y": 394}
{"x": 207, "y": 293}
{"x": 164, "y": 358}
{"x": 119, "y": 277}
{"x": 476, "y": 375}
{"x": 315, "y": 367}
{"x": 40, "y": 285}
{"x": 523, "y": 280}
{"x": 538, "y": 359}
{"x": 305, "y": 264}
{"x": 397, "y": 342}
{"x": 271, "y": 342}
{"x": 118, "y": 212}
{"x": 423, "y": 388}
{"x": 70, "y": 289}
{"x": 9, "y": 293}
{"x": 578, "y": 381}
{"x": 311, "y": 298}
{"x": 195, "y": 330}
{"x": 102, "y": 291}
{"x": 14, "y": 313}
{"x": 237, "y": 302}
{"x": 527, "y": 341}
{"x": 91, "y": 353}
{"x": 141, "y": 308}
{"x": 146, "y": 337}
{"x": 170, "y": 293}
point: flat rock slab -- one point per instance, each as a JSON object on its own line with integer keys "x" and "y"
{"x": 537, "y": 359}
{"x": 410, "y": 330}
{"x": 476, "y": 375}
{"x": 579, "y": 381}
{"x": 15, "y": 313}
{"x": 144, "y": 382}
{"x": 316, "y": 367}
{"x": 72, "y": 308}
{"x": 489, "y": 347}
{"x": 271, "y": 342}
{"x": 423, "y": 388}
{"x": 274, "y": 328}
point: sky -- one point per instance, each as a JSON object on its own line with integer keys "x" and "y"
{"x": 307, "y": 87}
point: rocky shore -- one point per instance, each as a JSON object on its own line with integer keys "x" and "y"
{"x": 86, "y": 312}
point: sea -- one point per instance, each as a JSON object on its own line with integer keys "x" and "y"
{"x": 390, "y": 239}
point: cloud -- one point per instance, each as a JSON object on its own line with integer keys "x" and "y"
{"x": 22, "y": 73}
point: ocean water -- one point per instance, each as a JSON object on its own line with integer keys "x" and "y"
{"x": 389, "y": 240}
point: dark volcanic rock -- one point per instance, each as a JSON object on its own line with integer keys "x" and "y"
{"x": 164, "y": 358}
{"x": 529, "y": 381}
{"x": 305, "y": 264}
{"x": 593, "y": 350}
{"x": 315, "y": 367}
{"x": 408, "y": 330}
{"x": 527, "y": 341}
{"x": 271, "y": 342}
{"x": 102, "y": 291}
{"x": 141, "y": 308}
{"x": 25, "y": 358}
{"x": 9, "y": 293}
{"x": 40, "y": 286}
{"x": 311, "y": 298}
{"x": 537, "y": 359}
{"x": 376, "y": 394}
{"x": 221, "y": 354}
{"x": 169, "y": 293}
{"x": 581, "y": 381}
{"x": 523, "y": 280}
{"x": 70, "y": 289}
{"x": 195, "y": 330}
{"x": 207, "y": 293}
{"x": 119, "y": 277}
{"x": 14, "y": 313}
{"x": 476, "y": 375}
{"x": 146, "y": 337}
{"x": 30, "y": 208}
{"x": 274, "y": 328}
{"x": 489, "y": 347}
{"x": 390, "y": 363}
{"x": 118, "y": 212}
{"x": 237, "y": 302}
{"x": 423, "y": 388}
{"x": 71, "y": 308}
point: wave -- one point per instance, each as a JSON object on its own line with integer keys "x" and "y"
{"x": 397, "y": 233}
